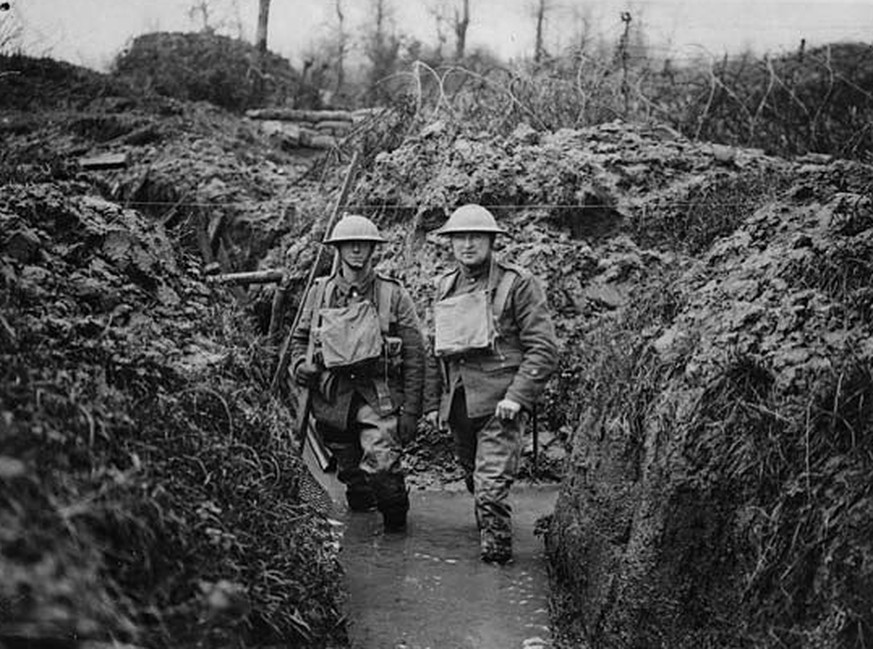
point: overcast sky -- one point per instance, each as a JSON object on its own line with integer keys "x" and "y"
{"x": 92, "y": 32}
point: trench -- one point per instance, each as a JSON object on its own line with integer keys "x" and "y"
{"x": 427, "y": 589}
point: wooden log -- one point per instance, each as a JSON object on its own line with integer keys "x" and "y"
{"x": 333, "y": 126}
{"x": 250, "y": 277}
{"x": 321, "y": 142}
{"x": 298, "y": 115}
{"x": 104, "y": 161}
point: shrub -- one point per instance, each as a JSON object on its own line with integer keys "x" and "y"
{"x": 206, "y": 67}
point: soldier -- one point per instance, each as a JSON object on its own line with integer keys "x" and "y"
{"x": 494, "y": 349}
{"x": 358, "y": 347}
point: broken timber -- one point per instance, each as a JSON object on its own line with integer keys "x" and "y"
{"x": 298, "y": 115}
{"x": 250, "y": 277}
{"x": 104, "y": 161}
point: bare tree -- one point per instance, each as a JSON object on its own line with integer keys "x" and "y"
{"x": 382, "y": 47}
{"x": 439, "y": 13}
{"x": 461, "y": 23}
{"x": 263, "y": 20}
{"x": 203, "y": 9}
{"x": 216, "y": 15}
{"x": 581, "y": 38}
{"x": 543, "y": 6}
{"x": 341, "y": 45}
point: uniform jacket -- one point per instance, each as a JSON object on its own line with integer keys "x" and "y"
{"x": 332, "y": 397}
{"x": 520, "y": 362}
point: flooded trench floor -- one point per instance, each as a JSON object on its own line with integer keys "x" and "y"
{"x": 427, "y": 589}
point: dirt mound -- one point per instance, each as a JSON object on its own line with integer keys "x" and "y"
{"x": 28, "y": 84}
{"x": 149, "y": 494}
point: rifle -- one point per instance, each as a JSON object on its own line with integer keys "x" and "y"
{"x": 304, "y": 430}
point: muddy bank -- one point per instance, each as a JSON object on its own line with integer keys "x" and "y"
{"x": 717, "y": 491}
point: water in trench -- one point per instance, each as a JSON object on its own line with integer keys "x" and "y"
{"x": 427, "y": 588}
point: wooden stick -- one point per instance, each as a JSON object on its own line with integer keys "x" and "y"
{"x": 250, "y": 277}
{"x": 285, "y": 352}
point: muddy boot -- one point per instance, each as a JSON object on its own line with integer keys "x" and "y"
{"x": 392, "y": 500}
{"x": 361, "y": 500}
{"x": 394, "y": 520}
{"x": 495, "y": 548}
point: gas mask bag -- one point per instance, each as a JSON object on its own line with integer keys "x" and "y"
{"x": 463, "y": 323}
{"x": 349, "y": 335}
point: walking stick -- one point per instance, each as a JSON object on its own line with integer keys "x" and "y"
{"x": 535, "y": 439}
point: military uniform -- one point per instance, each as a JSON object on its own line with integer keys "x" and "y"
{"x": 467, "y": 387}
{"x": 356, "y": 408}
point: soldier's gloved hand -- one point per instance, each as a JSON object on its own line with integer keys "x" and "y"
{"x": 507, "y": 409}
{"x": 407, "y": 426}
{"x": 306, "y": 374}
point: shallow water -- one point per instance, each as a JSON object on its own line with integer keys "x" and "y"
{"x": 427, "y": 588}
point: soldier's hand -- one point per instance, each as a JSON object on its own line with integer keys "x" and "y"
{"x": 306, "y": 374}
{"x": 507, "y": 409}
{"x": 407, "y": 426}
{"x": 433, "y": 419}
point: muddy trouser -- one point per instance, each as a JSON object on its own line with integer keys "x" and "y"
{"x": 488, "y": 450}
{"x": 368, "y": 459}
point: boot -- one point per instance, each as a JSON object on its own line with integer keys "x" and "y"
{"x": 394, "y": 520}
{"x": 361, "y": 500}
{"x": 495, "y": 548}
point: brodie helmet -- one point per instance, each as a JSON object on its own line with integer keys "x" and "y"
{"x": 355, "y": 228}
{"x": 470, "y": 218}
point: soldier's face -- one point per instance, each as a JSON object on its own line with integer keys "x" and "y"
{"x": 471, "y": 248}
{"x": 356, "y": 254}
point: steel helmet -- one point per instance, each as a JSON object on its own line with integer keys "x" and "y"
{"x": 355, "y": 228}
{"x": 470, "y": 218}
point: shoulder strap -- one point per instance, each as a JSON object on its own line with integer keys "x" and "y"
{"x": 501, "y": 291}
{"x": 315, "y": 322}
{"x": 444, "y": 283}
{"x": 323, "y": 288}
{"x": 384, "y": 289}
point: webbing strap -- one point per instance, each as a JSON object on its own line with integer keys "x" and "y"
{"x": 445, "y": 284}
{"x": 383, "y": 303}
{"x": 315, "y": 321}
{"x": 501, "y": 293}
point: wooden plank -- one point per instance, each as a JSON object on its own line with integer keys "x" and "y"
{"x": 248, "y": 277}
{"x": 299, "y": 115}
{"x": 104, "y": 161}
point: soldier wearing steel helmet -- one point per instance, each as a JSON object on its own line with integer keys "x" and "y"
{"x": 494, "y": 350}
{"x": 358, "y": 346}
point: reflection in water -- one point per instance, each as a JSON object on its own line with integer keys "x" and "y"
{"x": 428, "y": 588}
